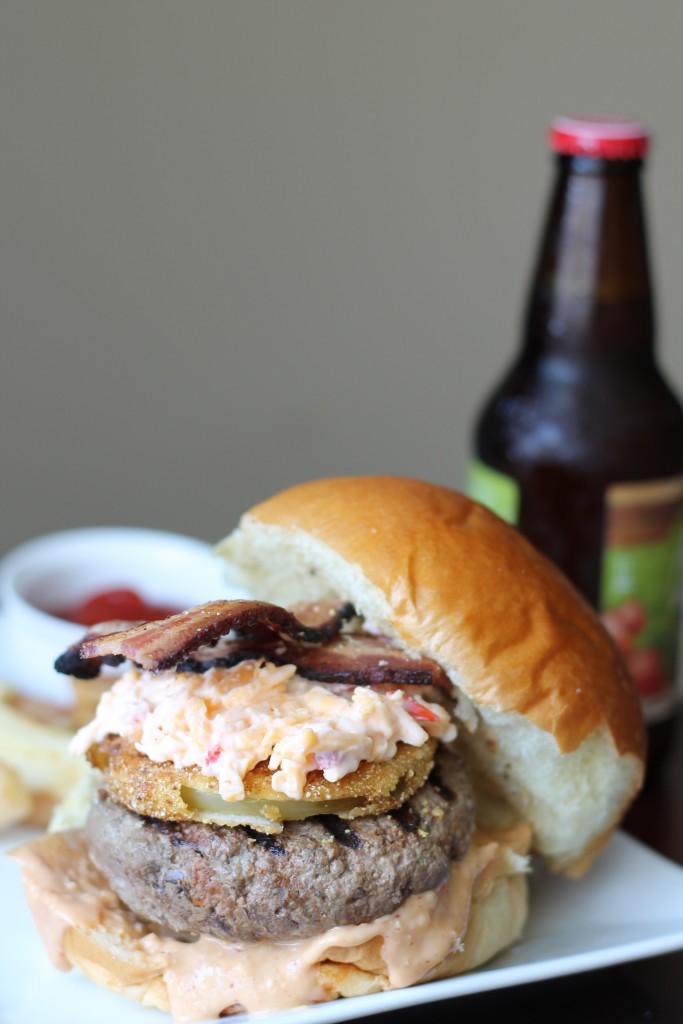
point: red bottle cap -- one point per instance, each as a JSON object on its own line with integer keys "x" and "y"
{"x": 602, "y": 138}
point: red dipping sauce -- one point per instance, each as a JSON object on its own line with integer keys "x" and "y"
{"x": 117, "y": 603}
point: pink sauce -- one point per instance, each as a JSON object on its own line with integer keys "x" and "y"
{"x": 204, "y": 978}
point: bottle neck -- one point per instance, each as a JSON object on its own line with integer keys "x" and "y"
{"x": 591, "y": 291}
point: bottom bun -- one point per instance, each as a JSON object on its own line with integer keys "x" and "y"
{"x": 479, "y": 912}
{"x": 496, "y": 921}
{"x": 497, "y": 918}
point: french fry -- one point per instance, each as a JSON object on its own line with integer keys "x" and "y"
{"x": 35, "y": 761}
{"x": 16, "y": 802}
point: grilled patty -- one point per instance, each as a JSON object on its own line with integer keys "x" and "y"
{"x": 238, "y": 884}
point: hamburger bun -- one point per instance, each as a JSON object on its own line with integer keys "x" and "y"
{"x": 551, "y": 716}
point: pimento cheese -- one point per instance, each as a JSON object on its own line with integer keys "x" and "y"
{"x": 226, "y": 721}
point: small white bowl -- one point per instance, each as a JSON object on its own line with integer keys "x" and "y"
{"x": 62, "y": 569}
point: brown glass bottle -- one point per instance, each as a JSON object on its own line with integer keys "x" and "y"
{"x": 584, "y": 411}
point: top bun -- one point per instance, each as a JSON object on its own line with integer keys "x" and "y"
{"x": 551, "y": 716}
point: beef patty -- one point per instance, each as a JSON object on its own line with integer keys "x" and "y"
{"x": 235, "y": 883}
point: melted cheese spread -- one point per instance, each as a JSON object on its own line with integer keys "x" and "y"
{"x": 226, "y": 721}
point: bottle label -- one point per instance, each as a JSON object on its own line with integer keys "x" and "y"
{"x": 640, "y": 577}
{"x": 640, "y": 585}
{"x": 497, "y": 491}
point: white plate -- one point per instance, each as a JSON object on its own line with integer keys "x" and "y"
{"x": 630, "y": 906}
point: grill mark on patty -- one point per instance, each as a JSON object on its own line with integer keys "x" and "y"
{"x": 340, "y": 831}
{"x": 438, "y": 783}
{"x": 406, "y": 818}
{"x": 176, "y": 835}
{"x": 268, "y": 842}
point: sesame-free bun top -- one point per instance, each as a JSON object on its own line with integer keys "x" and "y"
{"x": 550, "y": 715}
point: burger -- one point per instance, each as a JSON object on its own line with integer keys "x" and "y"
{"x": 338, "y": 787}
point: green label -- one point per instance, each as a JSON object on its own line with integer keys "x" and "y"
{"x": 500, "y": 493}
{"x": 641, "y": 577}
{"x": 642, "y": 562}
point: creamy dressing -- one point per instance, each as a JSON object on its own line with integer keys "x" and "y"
{"x": 204, "y": 978}
{"x": 64, "y": 888}
{"x": 226, "y": 721}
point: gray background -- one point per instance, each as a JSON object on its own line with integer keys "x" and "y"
{"x": 246, "y": 243}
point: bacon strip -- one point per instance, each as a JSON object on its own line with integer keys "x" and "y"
{"x": 70, "y": 663}
{"x": 197, "y": 640}
{"x": 361, "y": 659}
{"x": 161, "y": 644}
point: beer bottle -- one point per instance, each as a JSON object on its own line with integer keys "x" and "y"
{"x": 581, "y": 444}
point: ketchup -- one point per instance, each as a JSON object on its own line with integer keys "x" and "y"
{"x": 119, "y": 603}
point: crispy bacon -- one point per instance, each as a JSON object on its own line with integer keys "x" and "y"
{"x": 368, "y": 660}
{"x": 161, "y": 644}
{"x": 361, "y": 659}
{"x": 71, "y": 663}
{"x": 204, "y": 638}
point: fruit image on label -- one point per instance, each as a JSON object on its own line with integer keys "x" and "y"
{"x": 641, "y": 578}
